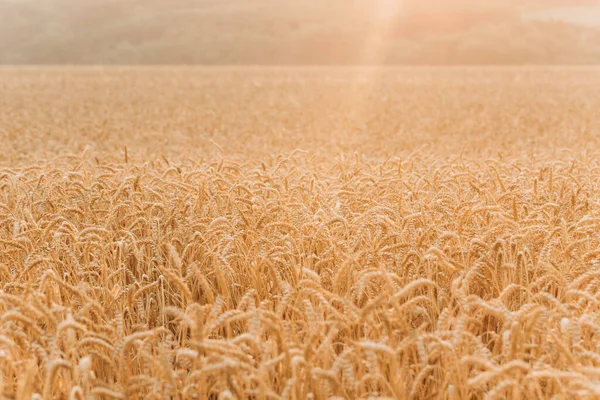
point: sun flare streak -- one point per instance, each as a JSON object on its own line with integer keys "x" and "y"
{"x": 375, "y": 49}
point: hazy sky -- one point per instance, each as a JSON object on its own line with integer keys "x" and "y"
{"x": 291, "y": 31}
{"x": 589, "y": 15}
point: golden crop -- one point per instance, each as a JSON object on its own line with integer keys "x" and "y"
{"x": 281, "y": 233}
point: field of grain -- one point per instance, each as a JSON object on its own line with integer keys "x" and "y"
{"x": 299, "y": 233}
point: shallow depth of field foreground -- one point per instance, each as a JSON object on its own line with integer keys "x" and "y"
{"x": 301, "y": 233}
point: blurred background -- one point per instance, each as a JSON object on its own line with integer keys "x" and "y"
{"x": 284, "y": 32}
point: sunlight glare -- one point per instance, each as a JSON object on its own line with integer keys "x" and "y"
{"x": 375, "y": 49}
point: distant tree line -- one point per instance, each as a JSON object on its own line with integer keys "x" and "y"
{"x": 284, "y": 32}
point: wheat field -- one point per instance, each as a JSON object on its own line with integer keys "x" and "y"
{"x": 316, "y": 233}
